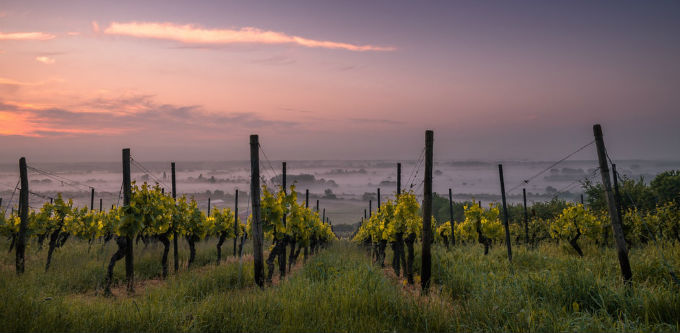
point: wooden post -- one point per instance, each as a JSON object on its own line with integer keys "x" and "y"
{"x": 505, "y": 213}
{"x": 323, "y": 219}
{"x": 235, "y": 220}
{"x": 370, "y": 207}
{"x": 92, "y": 199}
{"x": 23, "y": 216}
{"x": 398, "y": 179}
{"x": 378, "y": 199}
{"x": 526, "y": 216}
{"x": 426, "y": 265}
{"x": 255, "y": 202}
{"x": 617, "y": 194}
{"x": 127, "y": 194}
{"x": 581, "y": 198}
{"x": 283, "y": 186}
{"x": 365, "y": 214}
{"x": 317, "y": 205}
{"x": 175, "y": 252}
{"x": 101, "y": 204}
{"x": 621, "y": 247}
{"x": 208, "y": 206}
{"x": 307, "y": 198}
{"x": 453, "y": 223}
{"x": 284, "y": 241}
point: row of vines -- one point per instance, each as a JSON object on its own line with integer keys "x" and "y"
{"x": 153, "y": 216}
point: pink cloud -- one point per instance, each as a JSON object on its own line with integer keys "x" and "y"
{"x": 45, "y": 60}
{"x": 195, "y": 35}
{"x": 26, "y": 36}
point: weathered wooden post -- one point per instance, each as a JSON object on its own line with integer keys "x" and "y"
{"x": 235, "y": 220}
{"x": 505, "y": 213}
{"x": 378, "y": 199}
{"x": 526, "y": 216}
{"x": 101, "y": 204}
{"x": 370, "y": 208}
{"x": 175, "y": 252}
{"x": 426, "y": 265}
{"x": 453, "y": 223}
{"x": 284, "y": 241}
{"x": 255, "y": 202}
{"x": 23, "y": 216}
{"x": 365, "y": 214}
{"x": 317, "y": 205}
{"x": 398, "y": 179}
{"x": 127, "y": 194}
{"x": 581, "y": 198}
{"x": 305, "y": 252}
{"x": 323, "y": 219}
{"x": 92, "y": 199}
{"x": 621, "y": 247}
{"x": 208, "y": 206}
{"x": 617, "y": 194}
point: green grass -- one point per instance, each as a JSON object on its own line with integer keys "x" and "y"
{"x": 546, "y": 289}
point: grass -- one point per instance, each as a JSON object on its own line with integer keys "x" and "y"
{"x": 546, "y": 289}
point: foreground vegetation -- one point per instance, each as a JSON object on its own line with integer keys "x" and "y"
{"x": 339, "y": 289}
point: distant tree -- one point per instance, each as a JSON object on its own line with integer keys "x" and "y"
{"x": 666, "y": 186}
{"x": 328, "y": 194}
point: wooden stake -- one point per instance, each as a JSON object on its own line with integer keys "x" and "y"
{"x": 378, "y": 199}
{"x": 505, "y": 213}
{"x": 23, "y": 216}
{"x": 307, "y": 198}
{"x": 426, "y": 265}
{"x": 235, "y": 220}
{"x": 255, "y": 198}
{"x": 453, "y": 223}
{"x": 101, "y": 204}
{"x": 398, "y": 179}
{"x": 127, "y": 194}
{"x": 526, "y": 216}
{"x": 92, "y": 199}
{"x": 175, "y": 252}
{"x": 621, "y": 248}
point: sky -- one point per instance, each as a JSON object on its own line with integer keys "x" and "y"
{"x": 191, "y": 80}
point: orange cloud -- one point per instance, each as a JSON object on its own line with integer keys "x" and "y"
{"x": 26, "y": 36}
{"x": 195, "y": 35}
{"x": 45, "y": 60}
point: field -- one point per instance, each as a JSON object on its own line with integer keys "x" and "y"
{"x": 545, "y": 289}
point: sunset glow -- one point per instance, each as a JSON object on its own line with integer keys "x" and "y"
{"x": 338, "y": 80}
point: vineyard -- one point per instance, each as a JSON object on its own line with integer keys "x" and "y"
{"x": 417, "y": 262}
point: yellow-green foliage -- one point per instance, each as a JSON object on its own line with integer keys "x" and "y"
{"x": 574, "y": 220}
{"x": 478, "y": 218}
{"x": 444, "y": 230}
{"x": 393, "y": 218}
{"x": 663, "y": 223}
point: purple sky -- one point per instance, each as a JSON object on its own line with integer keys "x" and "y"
{"x": 79, "y": 80}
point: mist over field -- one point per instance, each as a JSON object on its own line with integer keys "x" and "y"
{"x": 343, "y": 187}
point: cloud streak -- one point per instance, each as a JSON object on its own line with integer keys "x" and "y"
{"x": 132, "y": 114}
{"x": 45, "y": 60}
{"x": 191, "y": 34}
{"x": 26, "y": 36}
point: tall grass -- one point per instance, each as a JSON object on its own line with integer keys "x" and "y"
{"x": 544, "y": 289}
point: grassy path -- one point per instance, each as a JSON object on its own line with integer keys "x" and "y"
{"x": 340, "y": 290}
